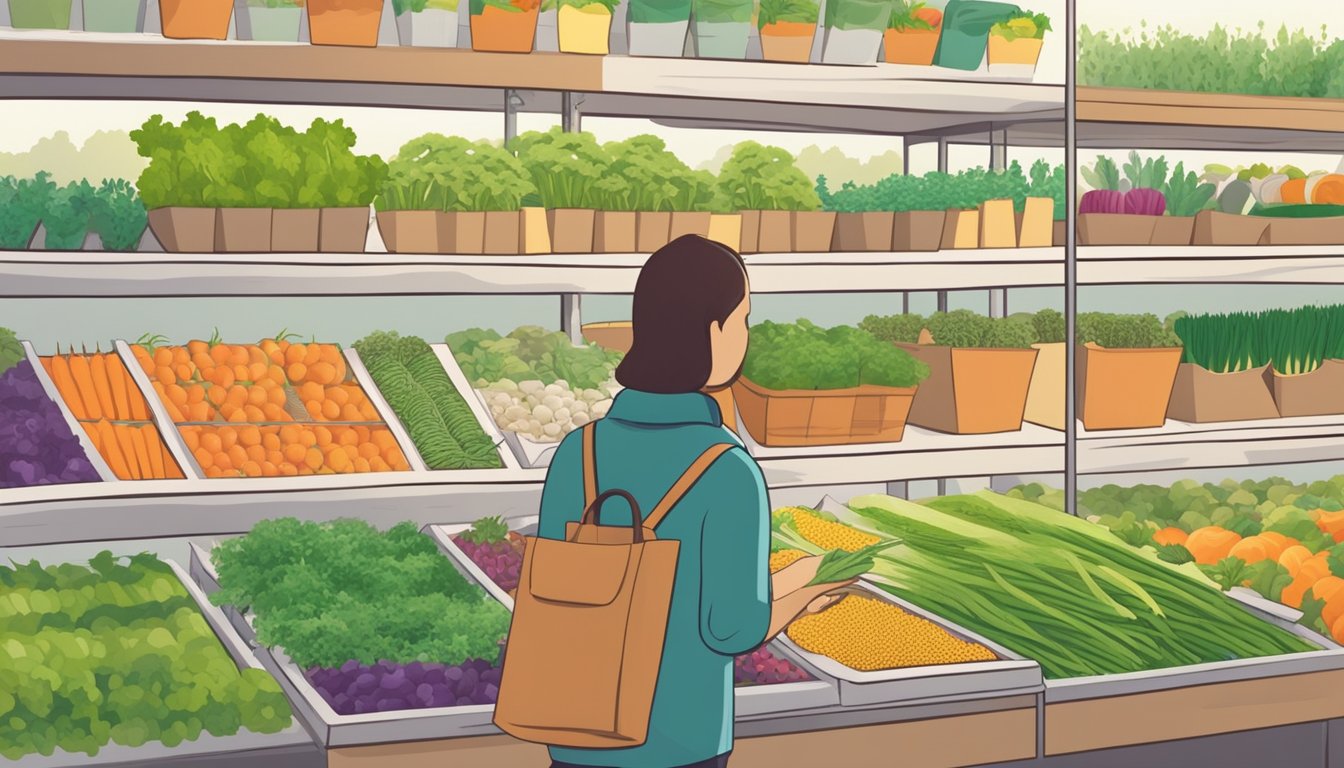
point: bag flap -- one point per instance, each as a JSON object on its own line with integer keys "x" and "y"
{"x": 581, "y": 574}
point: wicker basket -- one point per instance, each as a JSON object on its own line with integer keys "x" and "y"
{"x": 795, "y": 417}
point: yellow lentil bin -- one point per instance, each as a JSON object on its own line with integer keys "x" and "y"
{"x": 868, "y": 634}
{"x": 827, "y": 534}
{"x": 783, "y": 558}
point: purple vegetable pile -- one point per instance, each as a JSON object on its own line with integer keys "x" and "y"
{"x": 494, "y": 549}
{"x": 356, "y": 688}
{"x": 761, "y": 667}
{"x": 1144, "y": 202}
{"x": 36, "y": 444}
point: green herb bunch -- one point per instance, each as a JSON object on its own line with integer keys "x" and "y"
{"x": 802, "y": 355}
{"x": 531, "y": 353}
{"x": 758, "y": 177}
{"x": 332, "y": 592}
{"x": 449, "y": 173}
{"x": 1110, "y": 331}
{"x": 1251, "y": 62}
{"x": 262, "y": 164}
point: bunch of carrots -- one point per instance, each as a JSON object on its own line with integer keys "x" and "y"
{"x": 101, "y": 394}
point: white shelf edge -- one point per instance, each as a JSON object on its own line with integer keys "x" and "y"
{"x": 95, "y": 458}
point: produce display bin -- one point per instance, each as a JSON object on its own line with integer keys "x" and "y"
{"x": 49, "y": 388}
{"x": 1007, "y": 675}
{"x": 365, "y": 381}
{"x": 863, "y": 414}
{"x": 509, "y": 455}
{"x": 330, "y": 729}
{"x": 305, "y": 405}
{"x": 751, "y": 700}
{"x": 159, "y": 415}
{"x": 1202, "y": 396}
{"x": 1329, "y": 657}
{"x": 971, "y": 391}
{"x": 155, "y": 753}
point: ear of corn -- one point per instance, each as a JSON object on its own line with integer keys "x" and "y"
{"x": 783, "y": 558}
{"x": 868, "y": 634}
{"x": 826, "y": 534}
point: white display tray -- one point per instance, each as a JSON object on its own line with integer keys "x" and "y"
{"x": 330, "y": 729}
{"x": 158, "y": 753}
{"x": 1330, "y": 657}
{"x": 1007, "y": 675}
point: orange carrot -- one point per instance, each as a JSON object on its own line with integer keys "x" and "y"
{"x": 141, "y": 453}
{"x": 172, "y": 472}
{"x": 101, "y": 386}
{"x": 116, "y": 379}
{"x": 128, "y": 451}
{"x": 112, "y": 452}
{"x": 79, "y": 371}
{"x": 153, "y": 449}
{"x": 65, "y": 384}
{"x": 91, "y": 430}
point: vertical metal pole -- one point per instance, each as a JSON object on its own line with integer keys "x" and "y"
{"x": 996, "y": 308}
{"x": 942, "y": 155}
{"x": 900, "y": 489}
{"x": 571, "y": 118}
{"x": 905, "y": 302}
{"x": 1003, "y": 300}
{"x": 512, "y": 101}
{"x": 998, "y": 149}
{"x": 571, "y": 316}
{"x": 942, "y": 301}
{"x": 905, "y": 156}
{"x": 1070, "y": 260}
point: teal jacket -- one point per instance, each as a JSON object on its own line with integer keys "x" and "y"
{"x": 721, "y": 597}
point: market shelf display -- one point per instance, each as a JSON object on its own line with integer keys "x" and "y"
{"x": 54, "y": 614}
{"x": 367, "y": 695}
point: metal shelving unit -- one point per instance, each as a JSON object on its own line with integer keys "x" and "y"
{"x": 1121, "y": 119}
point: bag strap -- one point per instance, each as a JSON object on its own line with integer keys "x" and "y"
{"x": 674, "y": 494}
{"x": 684, "y": 483}
{"x": 589, "y": 464}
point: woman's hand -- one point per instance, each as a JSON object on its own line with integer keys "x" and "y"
{"x": 794, "y": 576}
{"x": 802, "y": 601}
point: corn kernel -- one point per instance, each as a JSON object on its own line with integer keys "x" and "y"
{"x": 783, "y": 558}
{"x": 868, "y": 634}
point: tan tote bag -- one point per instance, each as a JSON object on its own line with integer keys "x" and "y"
{"x": 589, "y": 622}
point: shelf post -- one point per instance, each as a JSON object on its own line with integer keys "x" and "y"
{"x": 899, "y": 489}
{"x": 571, "y": 322}
{"x": 571, "y": 117}
{"x": 905, "y": 155}
{"x": 905, "y": 302}
{"x": 512, "y": 101}
{"x": 942, "y": 301}
{"x": 998, "y": 149}
{"x": 998, "y": 302}
{"x": 942, "y": 155}
{"x": 1070, "y": 262}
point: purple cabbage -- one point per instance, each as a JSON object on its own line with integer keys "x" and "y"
{"x": 36, "y": 444}
{"x": 357, "y": 689}
{"x": 1145, "y": 202}
{"x": 1102, "y": 201}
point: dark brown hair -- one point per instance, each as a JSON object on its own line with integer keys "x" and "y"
{"x": 683, "y": 287}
